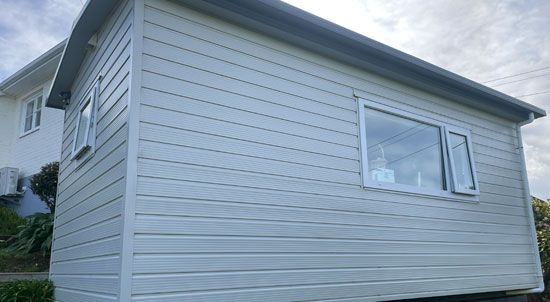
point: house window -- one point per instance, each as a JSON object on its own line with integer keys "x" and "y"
{"x": 460, "y": 158}
{"x": 32, "y": 113}
{"x": 84, "y": 137}
{"x": 406, "y": 152}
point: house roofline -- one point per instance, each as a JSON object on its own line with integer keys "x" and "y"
{"x": 30, "y": 68}
{"x": 92, "y": 15}
{"x": 298, "y": 27}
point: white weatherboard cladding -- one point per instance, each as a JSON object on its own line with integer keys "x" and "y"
{"x": 86, "y": 256}
{"x": 8, "y": 120}
{"x": 249, "y": 185}
{"x": 31, "y": 151}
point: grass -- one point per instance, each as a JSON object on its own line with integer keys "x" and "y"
{"x": 16, "y": 262}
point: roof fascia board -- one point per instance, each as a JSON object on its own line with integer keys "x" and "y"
{"x": 89, "y": 21}
{"x": 311, "y": 32}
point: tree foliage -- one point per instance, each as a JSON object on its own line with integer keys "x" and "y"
{"x": 541, "y": 213}
{"x": 44, "y": 184}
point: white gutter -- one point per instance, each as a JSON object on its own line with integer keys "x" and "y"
{"x": 529, "y": 208}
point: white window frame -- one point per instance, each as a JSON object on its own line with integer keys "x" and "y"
{"x": 88, "y": 143}
{"x": 448, "y": 190}
{"x": 31, "y": 99}
{"x": 454, "y": 181}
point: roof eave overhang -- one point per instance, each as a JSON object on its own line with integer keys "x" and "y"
{"x": 288, "y": 23}
{"x": 88, "y": 22}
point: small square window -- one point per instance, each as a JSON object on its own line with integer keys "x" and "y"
{"x": 32, "y": 113}
{"x": 84, "y": 138}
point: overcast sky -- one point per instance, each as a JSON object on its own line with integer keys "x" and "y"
{"x": 481, "y": 40}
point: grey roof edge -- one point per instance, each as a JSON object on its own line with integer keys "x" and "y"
{"x": 33, "y": 65}
{"x": 304, "y": 29}
{"x": 92, "y": 15}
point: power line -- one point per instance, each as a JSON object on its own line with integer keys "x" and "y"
{"x": 520, "y": 80}
{"x": 399, "y": 134}
{"x": 411, "y": 154}
{"x": 515, "y": 75}
{"x": 531, "y": 94}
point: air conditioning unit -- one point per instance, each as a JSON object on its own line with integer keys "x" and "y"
{"x": 8, "y": 181}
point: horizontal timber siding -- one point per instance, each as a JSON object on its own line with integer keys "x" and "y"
{"x": 249, "y": 185}
{"x": 87, "y": 235}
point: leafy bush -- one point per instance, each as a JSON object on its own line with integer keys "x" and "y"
{"x": 35, "y": 235}
{"x": 541, "y": 213}
{"x": 44, "y": 184}
{"x": 26, "y": 291}
{"x": 9, "y": 221}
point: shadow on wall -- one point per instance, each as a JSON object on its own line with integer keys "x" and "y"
{"x": 29, "y": 203}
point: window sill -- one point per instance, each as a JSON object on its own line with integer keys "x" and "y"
{"x": 421, "y": 192}
{"x": 82, "y": 160}
{"x": 29, "y": 132}
{"x": 80, "y": 152}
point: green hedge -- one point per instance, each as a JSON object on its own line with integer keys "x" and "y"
{"x": 26, "y": 291}
{"x": 9, "y": 221}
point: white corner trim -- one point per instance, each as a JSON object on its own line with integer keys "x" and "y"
{"x": 127, "y": 253}
{"x": 529, "y": 209}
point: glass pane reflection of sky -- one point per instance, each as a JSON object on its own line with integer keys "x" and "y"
{"x": 409, "y": 149}
{"x": 461, "y": 158}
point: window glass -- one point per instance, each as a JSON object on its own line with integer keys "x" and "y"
{"x": 403, "y": 151}
{"x": 38, "y": 111}
{"x": 28, "y": 116}
{"x": 83, "y": 125}
{"x": 461, "y": 162}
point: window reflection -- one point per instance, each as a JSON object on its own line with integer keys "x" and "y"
{"x": 403, "y": 151}
{"x": 461, "y": 162}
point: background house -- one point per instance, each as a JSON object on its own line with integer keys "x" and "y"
{"x": 30, "y": 132}
{"x": 216, "y": 151}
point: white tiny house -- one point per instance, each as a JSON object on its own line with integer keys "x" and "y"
{"x": 249, "y": 151}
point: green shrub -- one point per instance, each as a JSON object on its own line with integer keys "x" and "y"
{"x": 541, "y": 213}
{"x": 9, "y": 221}
{"x": 17, "y": 262}
{"x": 35, "y": 235}
{"x": 26, "y": 291}
{"x": 44, "y": 184}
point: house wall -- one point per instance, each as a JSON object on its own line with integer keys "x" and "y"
{"x": 86, "y": 254}
{"x": 33, "y": 150}
{"x": 249, "y": 185}
{"x": 7, "y": 128}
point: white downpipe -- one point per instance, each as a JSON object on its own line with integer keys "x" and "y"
{"x": 529, "y": 207}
